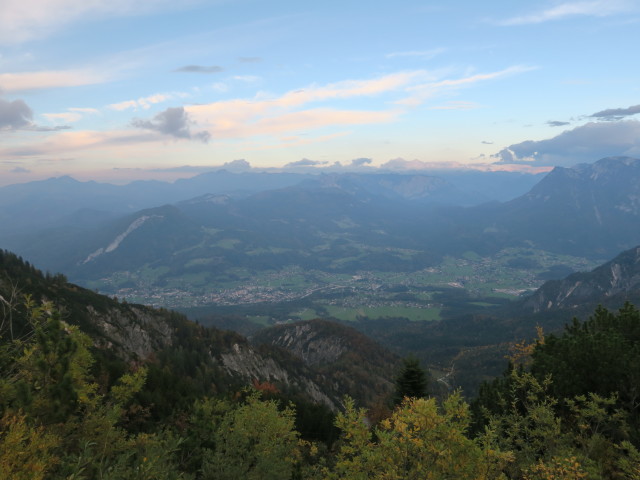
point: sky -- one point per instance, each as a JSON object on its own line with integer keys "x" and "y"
{"x": 116, "y": 90}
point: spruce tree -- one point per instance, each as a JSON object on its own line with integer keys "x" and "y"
{"x": 411, "y": 382}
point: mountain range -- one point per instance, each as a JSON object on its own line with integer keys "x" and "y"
{"x": 337, "y": 223}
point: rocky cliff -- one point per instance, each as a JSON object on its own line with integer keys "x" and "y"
{"x": 609, "y": 284}
{"x": 347, "y": 361}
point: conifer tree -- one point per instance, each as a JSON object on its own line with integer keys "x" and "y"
{"x": 411, "y": 382}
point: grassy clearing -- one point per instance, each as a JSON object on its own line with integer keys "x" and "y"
{"x": 228, "y": 243}
{"x": 263, "y": 320}
{"x": 413, "y": 314}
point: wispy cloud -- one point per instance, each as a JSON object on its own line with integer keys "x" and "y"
{"x": 247, "y": 78}
{"x": 200, "y": 69}
{"x": 19, "y": 82}
{"x": 72, "y": 115}
{"x": 24, "y": 20}
{"x": 420, "y": 93}
{"x": 457, "y": 105}
{"x": 425, "y": 54}
{"x": 597, "y": 8}
{"x": 64, "y": 142}
{"x": 557, "y": 123}
{"x": 616, "y": 113}
{"x": 287, "y": 113}
{"x": 144, "y": 103}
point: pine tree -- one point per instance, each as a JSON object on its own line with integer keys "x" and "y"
{"x": 412, "y": 381}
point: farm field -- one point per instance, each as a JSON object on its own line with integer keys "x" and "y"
{"x": 421, "y": 295}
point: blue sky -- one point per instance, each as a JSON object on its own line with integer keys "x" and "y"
{"x": 120, "y": 89}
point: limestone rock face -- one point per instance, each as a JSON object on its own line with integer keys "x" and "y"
{"x": 245, "y": 362}
{"x": 346, "y": 361}
{"x": 133, "y": 332}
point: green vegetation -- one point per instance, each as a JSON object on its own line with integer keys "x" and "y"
{"x": 354, "y": 314}
{"x": 209, "y": 280}
{"x": 566, "y": 408}
{"x": 411, "y": 382}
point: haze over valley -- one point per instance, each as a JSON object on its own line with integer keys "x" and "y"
{"x": 319, "y": 240}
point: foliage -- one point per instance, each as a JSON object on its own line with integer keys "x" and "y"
{"x": 419, "y": 441}
{"x": 567, "y": 410}
{"x": 411, "y": 382}
{"x": 601, "y": 355}
{"x": 584, "y": 437}
{"x": 254, "y": 441}
{"x": 27, "y": 452}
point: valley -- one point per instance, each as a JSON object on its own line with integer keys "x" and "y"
{"x": 420, "y": 295}
{"x": 407, "y": 259}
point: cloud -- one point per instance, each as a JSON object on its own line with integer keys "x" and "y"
{"x": 239, "y": 165}
{"x": 249, "y": 59}
{"x": 84, "y": 110}
{"x": 68, "y": 117}
{"x": 421, "y": 92}
{"x": 616, "y": 113}
{"x": 220, "y": 87}
{"x": 556, "y": 123}
{"x": 597, "y": 8}
{"x": 290, "y": 112}
{"x": 20, "y": 170}
{"x": 174, "y": 122}
{"x": 72, "y": 114}
{"x": 200, "y": 69}
{"x": 15, "y": 115}
{"x": 305, "y": 162}
{"x": 40, "y": 128}
{"x": 458, "y": 105}
{"x": 419, "y": 165}
{"x": 24, "y": 20}
{"x": 275, "y": 115}
{"x": 358, "y": 162}
{"x": 19, "y": 82}
{"x": 484, "y": 142}
{"x": 143, "y": 102}
{"x": 425, "y": 54}
{"x": 585, "y": 143}
{"x": 247, "y": 78}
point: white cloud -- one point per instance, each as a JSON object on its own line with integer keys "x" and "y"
{"x": 247, "y": 78}
{"x": 220, "y": 87}
{"x": 24, "y": 20}
{"x": 18, "y": 82}
{"x": 597, "y": 8}
{"x": 85, "y": 110}
{"x": 424, "y": 91}
{"x": 72, "y": 115}
{"x": 424, "y": 54}
{"x": 457, "y": 105}
{"x": 66, "y": 117}
{"x": 269, "y": 115}
{"x": 143, "y": 103}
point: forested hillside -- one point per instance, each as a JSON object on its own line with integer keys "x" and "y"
{"x": 75, "y": 405}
